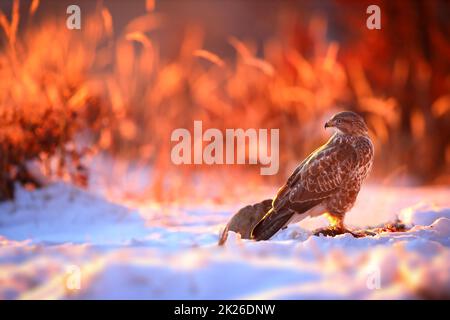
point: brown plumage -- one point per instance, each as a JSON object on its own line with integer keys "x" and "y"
{"x": 327, "y": 181}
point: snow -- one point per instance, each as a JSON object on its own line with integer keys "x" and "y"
{"x": 150, "y": 251}
{"x": 64, "y": 212}
{"x": 423, "y": 214}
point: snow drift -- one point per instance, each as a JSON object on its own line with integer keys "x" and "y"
{"x": 139, "y": 252}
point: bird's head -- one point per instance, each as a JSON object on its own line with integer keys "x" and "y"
{"x": 348, "y": 122}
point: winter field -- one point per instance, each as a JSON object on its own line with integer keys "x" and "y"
{"x": 61, "y": 242}
{"x": 96, "y": 95}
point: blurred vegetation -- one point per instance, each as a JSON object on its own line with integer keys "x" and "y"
{"x": 115, "y": 90}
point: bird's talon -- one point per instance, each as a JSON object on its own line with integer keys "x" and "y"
{"x": 356, "y": 234}
{"x": 331, "y": 232}
{"x": 334, "y": 231}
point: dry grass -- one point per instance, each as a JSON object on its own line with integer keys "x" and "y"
{"x": 45, "y": 99}
{"x": 129, "y": 98}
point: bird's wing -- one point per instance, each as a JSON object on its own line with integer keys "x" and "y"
{"x": 313, "y": 181}
{"x": 296, "y": 175}
{"x": 323, "y": 172}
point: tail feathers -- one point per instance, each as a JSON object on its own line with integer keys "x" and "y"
{"x": 270, "y": 224}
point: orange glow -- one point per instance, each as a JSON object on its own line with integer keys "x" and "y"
{"x": 117, "y": 84}
{"x": 333, "y": 220}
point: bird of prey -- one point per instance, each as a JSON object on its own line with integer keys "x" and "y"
{"x": 327, "y": 181}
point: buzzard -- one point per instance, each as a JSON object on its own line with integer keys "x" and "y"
{"x": 327, "y": 181}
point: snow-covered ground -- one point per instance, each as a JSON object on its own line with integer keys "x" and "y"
{"x": 65, "y": 243}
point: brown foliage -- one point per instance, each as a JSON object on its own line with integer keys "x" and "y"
{"x": 57, "y": 84}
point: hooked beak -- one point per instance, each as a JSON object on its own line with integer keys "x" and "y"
{"x": 328, "y": 124}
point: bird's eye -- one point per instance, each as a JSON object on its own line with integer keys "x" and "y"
{"x": 338, "y": 121}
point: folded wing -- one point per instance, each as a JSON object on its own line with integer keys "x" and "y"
{"x": 318, "y": 177}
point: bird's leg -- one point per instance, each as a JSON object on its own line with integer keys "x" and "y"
{"x": 336, "y": 227}
{"x": 336, "y": 222}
